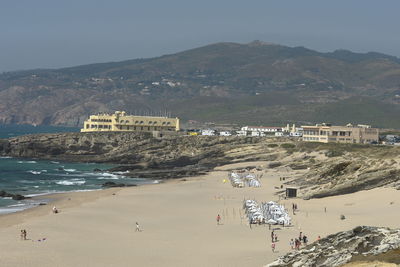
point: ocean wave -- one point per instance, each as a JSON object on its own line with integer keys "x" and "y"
{"x": 11, "y": 210}
{"x": 17, "y": 205}
{"x": 55, "y": 162}
{"x": 109, "y": 176}
{"x": 6, "y": 157}
{"x": 122, "y": 172}
{"x": 35, "y": 172}
{"x": 70, "y": 170}
{"x": 71, "y": 182}
{"x": 27, "y": 161}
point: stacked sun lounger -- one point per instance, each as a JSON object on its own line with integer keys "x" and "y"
{"x": 253, "y": 212}
{"x": 266, "y": 212}
{"x": 242, "y": 179}
{"x": 251, "y": 180}
{"x": 236, "y": 180}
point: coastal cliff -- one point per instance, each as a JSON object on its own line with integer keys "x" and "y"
{"x": 328, "y": 169}
{"x": 139, "y": 153}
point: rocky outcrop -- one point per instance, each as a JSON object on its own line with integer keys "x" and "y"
{"x": 363, "y": 243}
{"x": 141, "y": 155}
{"x": 13, "y": 196}
{"x": 112, "y": 184}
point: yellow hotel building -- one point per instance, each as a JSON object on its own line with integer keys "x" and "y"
{"x": 119, "y": 121}
{"x": 325, "y": 133}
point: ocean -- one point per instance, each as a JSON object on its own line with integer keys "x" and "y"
{"x": 30, "y": 177}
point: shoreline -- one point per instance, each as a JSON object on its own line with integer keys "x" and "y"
{"x": 62, "y": 200}
{"x": 177, "y": 218}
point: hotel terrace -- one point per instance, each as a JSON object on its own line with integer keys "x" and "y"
{"x": 119, "y": 121}
{"x": 326, "y": 133}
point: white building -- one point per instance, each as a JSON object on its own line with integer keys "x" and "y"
{"x": 225, "y": 133}
{"x": 262, "y": 129}
{"x": 256, "y": 133}
{"x": 241, "y": 133}
{"x": 208, "y": 132}
{"x": 296, "y": 134}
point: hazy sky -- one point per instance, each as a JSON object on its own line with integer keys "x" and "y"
{"x": 56, "y": 33}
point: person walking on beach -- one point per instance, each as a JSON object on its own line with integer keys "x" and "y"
{"x": 272, "y": 235}
{"x": 218, "y": 219}
{"x": 273, "y": 247}
{"x": 297, "y": 244}
{"x": 137, "y": 227}
{"x": 291, "y": 243}
{"x": 305, "y": 240}
{"x": 24, "y": 234}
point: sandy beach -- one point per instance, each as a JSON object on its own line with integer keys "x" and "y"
{"x": 178, "y": 222}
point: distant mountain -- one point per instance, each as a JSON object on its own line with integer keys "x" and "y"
{"x": 255, "y": 83}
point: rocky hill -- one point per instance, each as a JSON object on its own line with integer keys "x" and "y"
{"x": 361, "y": 244}
{"x": 255, "y": 83}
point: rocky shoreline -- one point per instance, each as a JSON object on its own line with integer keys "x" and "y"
{"x": 140, "y": 154}
{"x": 329, "y": 169}
{"x": 363, "y": 243}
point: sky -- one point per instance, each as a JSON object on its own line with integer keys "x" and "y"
{"x": 57, "y": 33}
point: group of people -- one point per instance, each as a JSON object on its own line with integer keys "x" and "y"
{"x": 274, "y": 239}
{"x": 296, "y": 243}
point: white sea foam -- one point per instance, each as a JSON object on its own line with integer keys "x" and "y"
{"x": 5, "y": 157}
{"x": 71, "y": 182}
{"x": 35, "y": 172}
{"x": 109, "y": 176}
{"x": 55, "y": 162}
{"x": 43, "y": 194}
{"x": 17, "y": 205}
{"x": 122, "y": 172}
{"x": 70, "y": 170}
{"x": 10, "y": 210}
{"x": 27, "y": 161}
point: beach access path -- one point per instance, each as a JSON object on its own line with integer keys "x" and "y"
{"x": 178, "y": 222}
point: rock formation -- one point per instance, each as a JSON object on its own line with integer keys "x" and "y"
{"x": 363, "y": 243}
{"x": 327, "y": 169}
{"x": 140, "y": 154}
